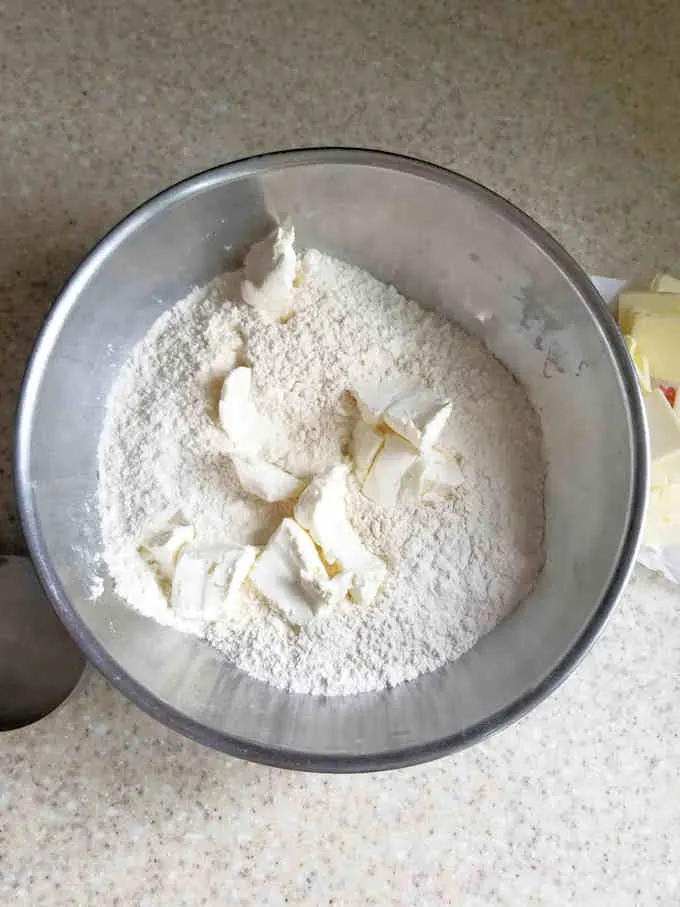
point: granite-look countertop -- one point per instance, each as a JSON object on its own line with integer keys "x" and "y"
{"x": 571, "y": 110}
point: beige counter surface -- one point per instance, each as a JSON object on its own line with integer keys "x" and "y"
{"x": 569, "y": 109}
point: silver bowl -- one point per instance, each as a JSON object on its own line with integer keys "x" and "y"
{"x": 457, "y": 248}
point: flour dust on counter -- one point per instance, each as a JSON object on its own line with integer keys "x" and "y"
{"x": 337, "y": 488}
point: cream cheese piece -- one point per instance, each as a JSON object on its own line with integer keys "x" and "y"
{"x": 640, "y": 362}
{"x": 290, "y": 574}
{"x": 162, "y": 546}
{"x": 438, "y": 475}
{"x": 407, "y": 407}
{"x": 207, "y": 580}
{"x": 366, "y": 442}
{"x": 658, "y": 337}
{"x": 269, "y": 274}
{"x": 374, "y": 398}
{"x": 664, "y": 439}
{"x": 367, "y": 580}
{"x": 419, "y": 416}
{"x": 664, "y": 283}
{"x": 265, "y": 480}
{"x": 321, "y": 510}
{"x": 329, "y": 591}
{"x": 237, "y": 413}
{"x": 383, "y": 482}
{"x": 231, "y": 569}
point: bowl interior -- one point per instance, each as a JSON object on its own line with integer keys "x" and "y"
{"x": 455, "y": 248}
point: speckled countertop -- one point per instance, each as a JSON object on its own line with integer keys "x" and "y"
{"x": 571, "y": 110}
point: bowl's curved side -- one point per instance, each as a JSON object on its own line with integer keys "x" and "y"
{"x": 54, "y": 496}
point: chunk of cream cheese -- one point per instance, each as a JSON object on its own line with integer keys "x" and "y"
{"x": 265, "y": 480}
{"x": 269, "y": 274}
{"x": 291, "y": 576}
{"x": 437, "y": 475}
{"x": 407, "y": 407}
{"x": 383, "y": 482}
{"x": 373, "y": 398}
{"x": 321, "y": 510}
{"x": 163, "y": 543}
{"x": 419, "y": 416}
{"x": 208, "y": 578}
{"x": 366, "y": 442}
{"x": 238, "y": 415}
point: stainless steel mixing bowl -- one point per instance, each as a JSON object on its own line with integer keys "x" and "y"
{"x": 455, "y": 247}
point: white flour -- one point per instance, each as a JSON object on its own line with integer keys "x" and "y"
{"x": 456, "y": 568}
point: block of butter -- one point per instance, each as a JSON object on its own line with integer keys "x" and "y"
{"x": 662, "y": 519}
{"x": 664, "y": 283}
{"x": 658, "y": 338}
{"x": 650, "y": 303}
{"x": 640, "y": 362}
{"x": 664, "y": 439}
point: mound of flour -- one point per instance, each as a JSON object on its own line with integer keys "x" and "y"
{"x": 456, "y": 568}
